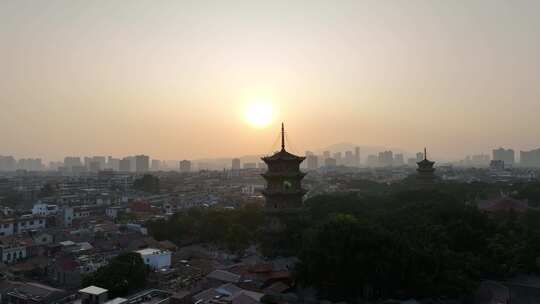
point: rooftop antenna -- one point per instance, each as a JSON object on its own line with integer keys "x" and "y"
{"x": 282, "y": 137}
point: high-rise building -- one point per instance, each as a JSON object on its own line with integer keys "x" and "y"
{"x": 357, "y": 157}
{"x": 312, "y": 162}
{"x": 419, "y": 156}
{"x": 326, "y": 154}
{"x": 79, "y": 169}
{"x": 250, "y": 165}
{"x": 94, "y": 166}
{"x": 530, "y": 158}
{"x": 30, "y": 164}
{"x": 142, "y": 163}
{"x": 8, "y": 163}
{"x": 185, "y": 166}
{"x": 480, "y": 160}
{"x": 337, "y": 156}
{"x": 235, "y": 164}
{"x": 101, "y": 160}
{"x": 132, "y": 163}
{"x": 53, "y": 165}
{"x": 156, "y": 165}
{"x": 349, "y": 159}
{"x": 496, "y": 165}
{"x": 204, "y": 166}
{"x": 283, "y": 179}
{"x": 113, "y": 163}
{"x": 124, "y": 165}
{"x": 372, "y": 160}
{"x": 506, "y": 155}
{"x": 87, "y": 161}
{"x": 386, "y": 158}
{"x": 399, "y": 160}
{"x": 72, "y": 161}
{"x": 330, "y": 162}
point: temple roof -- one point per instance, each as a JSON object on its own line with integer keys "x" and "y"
{"x": 425, "y": 163}
{"x": 283, "y": 155}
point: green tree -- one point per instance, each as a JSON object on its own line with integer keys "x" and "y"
{"x": 124, "y": 274}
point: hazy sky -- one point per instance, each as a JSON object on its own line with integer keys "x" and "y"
{"x": 171, "y": 78}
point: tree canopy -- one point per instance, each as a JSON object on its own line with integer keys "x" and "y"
{"x": 124, "y": 274}
{"x": 395, "y": 241}
{"x": 234, "y": 229}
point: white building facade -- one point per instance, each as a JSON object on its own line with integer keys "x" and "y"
{"x": 156, "y": 258}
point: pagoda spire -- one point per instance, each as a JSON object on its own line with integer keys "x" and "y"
{"x": 425, "y": 153}
{"x": 282, "y": 137}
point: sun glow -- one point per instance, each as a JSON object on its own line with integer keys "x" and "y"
{"x": 259, "y": 114}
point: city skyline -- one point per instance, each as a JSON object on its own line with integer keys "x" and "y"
{"x": 173, "y": 81}
{"x": 337, "y": 155}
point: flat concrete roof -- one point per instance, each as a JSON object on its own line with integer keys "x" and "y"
{"x": 93, "y": 290}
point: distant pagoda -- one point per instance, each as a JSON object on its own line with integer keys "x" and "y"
{"x": 283, "y": 179}
{"x": 425, "y": 170}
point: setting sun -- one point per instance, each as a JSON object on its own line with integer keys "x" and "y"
{"x": 258, "y": 114}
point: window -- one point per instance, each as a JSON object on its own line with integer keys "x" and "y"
{"x": 287, "y": 185}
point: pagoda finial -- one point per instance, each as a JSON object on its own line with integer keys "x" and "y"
{"x": 425, "y": 153}
{"x": 282, "y": 136}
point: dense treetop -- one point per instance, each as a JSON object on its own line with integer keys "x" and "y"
{"x": 395, "y": 241}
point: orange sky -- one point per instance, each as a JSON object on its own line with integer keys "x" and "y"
{"x": 171, "y": 79}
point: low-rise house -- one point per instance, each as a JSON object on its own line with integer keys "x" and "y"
{"x": 33, "y": 266}
{"x": 76, "y": 248}
{"x": 11, "y": 226}
{"x": 31, "y": 293}
{"x": 140, "y": 207}
{"x": 68, "y": 270}
{"x": 42, "y": 238}
{"x": 114, "y": 211}
{"x": 29, "y": 223}
{"x": 228, "y": 293}
{"x": 219, "y": 277}
{"x": 7, "y": 226}
{"x": 155, "y": 258}
{"x": 93, "y": 295}
{"x": 80, "y": 212}
{"x": 44, "y": 209}
{"x": 13, "y": 250}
